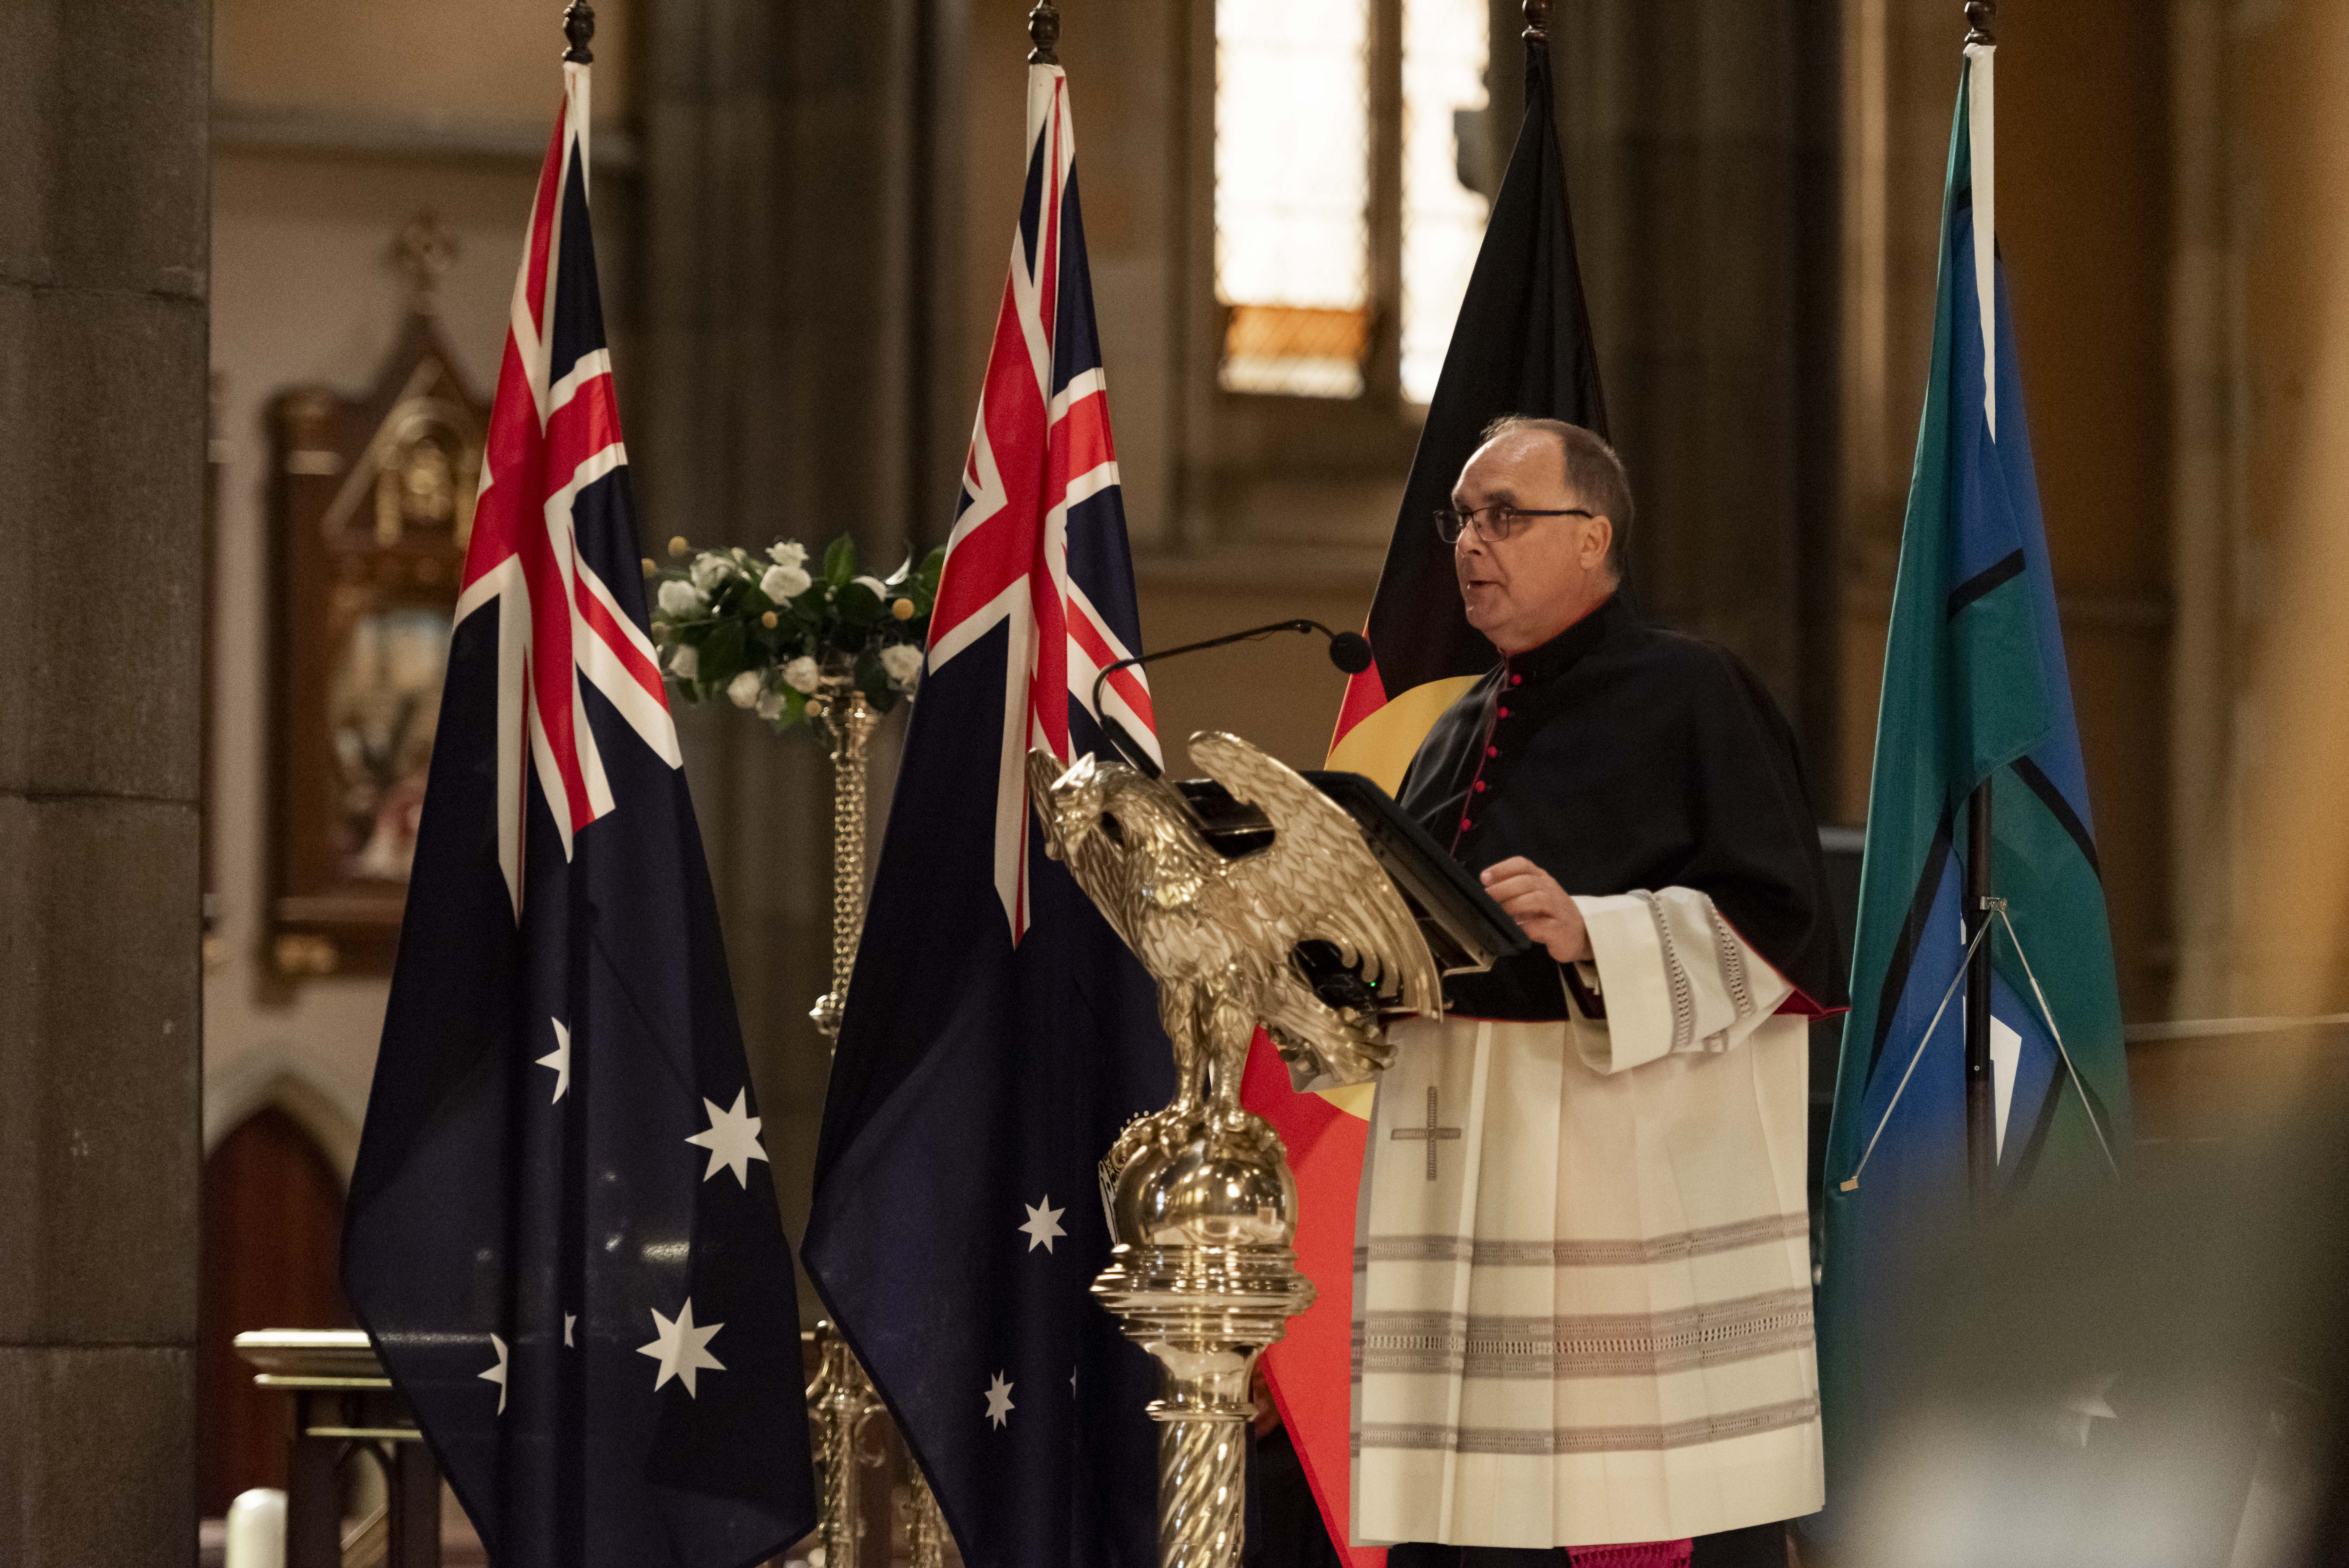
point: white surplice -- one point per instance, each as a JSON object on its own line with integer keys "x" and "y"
{"x": 1582, "y": 1288}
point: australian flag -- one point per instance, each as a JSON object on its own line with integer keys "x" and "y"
{"x": 997, "y": 1034}
{"x": 562, "y": 1237}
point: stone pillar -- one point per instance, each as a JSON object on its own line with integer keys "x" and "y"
{"x": 103, "y": 257}
{"x": 1701, "y": 142}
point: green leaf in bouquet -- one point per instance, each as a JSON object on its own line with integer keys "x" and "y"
{"x": 721, "y": 653}
{"x": 840, "y": 560}
{"x": 872, "y": 678}
{"x": 859, "y": 605}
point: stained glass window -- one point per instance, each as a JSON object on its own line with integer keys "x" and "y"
{"x": 1443, "y": 56}
{"x": 1292, "y": 194}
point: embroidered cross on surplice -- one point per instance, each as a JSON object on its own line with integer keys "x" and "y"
{"x": 1430, "y": 1135}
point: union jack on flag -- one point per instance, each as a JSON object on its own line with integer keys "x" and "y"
{"x": 554, "y": 433}
{"x": 562, "y": 1235}
{"x": 1040, "y": 515}
{"x": 998, "y": 1034}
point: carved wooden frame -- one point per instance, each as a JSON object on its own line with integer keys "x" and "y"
{"x": 370, "y": 503}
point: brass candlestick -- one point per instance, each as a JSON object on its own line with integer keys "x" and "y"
{"x": 926, "y": 1527}
{"x": 851, "y": 721}
{"x": 841, "y": 1403}
{"x": 842, "y": 1398}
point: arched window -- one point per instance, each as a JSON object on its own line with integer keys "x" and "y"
{"x": 1333, "y": 209}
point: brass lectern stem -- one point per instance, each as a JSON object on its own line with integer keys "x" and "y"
{"x": 1202, "y": 1491}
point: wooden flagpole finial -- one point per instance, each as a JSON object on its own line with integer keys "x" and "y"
{"x": 1980, "y": 14}
{"x": 1537, "y": 22}
{"x": 579, "y": 31}
{"x": 1044, "y": 32}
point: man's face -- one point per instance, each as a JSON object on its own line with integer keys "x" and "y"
{"x": 1523, "y": 590}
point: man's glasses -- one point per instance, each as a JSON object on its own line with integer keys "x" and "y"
{"x": 1494, "y": 524}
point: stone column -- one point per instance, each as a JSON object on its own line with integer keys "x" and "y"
{"x": 103, "y": 257}
{"x": 1701, "y": 142}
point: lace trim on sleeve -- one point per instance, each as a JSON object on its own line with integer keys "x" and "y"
{"x": 1732, "y": 953}
{"x": 1675, "y": 974}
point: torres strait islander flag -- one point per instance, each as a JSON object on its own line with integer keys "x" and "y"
{"x": 562, "y": 1234}
{"x": 1521, "y": 346}
{"x": 997, "y": 1034}
{"x": 1976, "y": 695}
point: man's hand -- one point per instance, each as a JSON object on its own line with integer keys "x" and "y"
{"x": 1531, "y": 896}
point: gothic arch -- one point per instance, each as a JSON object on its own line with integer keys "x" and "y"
{"x": 324, "y": 1108}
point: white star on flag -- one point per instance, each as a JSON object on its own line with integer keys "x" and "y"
{"x": 559, "y": 1059}
{"x": 1044, "y": 1223}
{"x": 681, "y": 1348}
{"x": 568, "y": 1319}
{"x": 731, "y": 1138}
{"x": 497, "y": 1374}
{"x": 998, "y": 1400}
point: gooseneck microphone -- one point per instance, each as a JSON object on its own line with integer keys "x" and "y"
{"x": 1349, "y": 651}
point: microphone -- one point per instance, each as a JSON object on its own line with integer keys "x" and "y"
{"x": 1349, "y": 651}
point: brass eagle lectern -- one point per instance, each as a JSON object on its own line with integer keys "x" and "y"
{"x": 1202, "y": 1273}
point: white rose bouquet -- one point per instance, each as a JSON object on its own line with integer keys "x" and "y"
{"x": 768, "y": 634}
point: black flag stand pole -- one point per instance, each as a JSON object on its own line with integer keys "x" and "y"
{"x": 1982, "y": 1108}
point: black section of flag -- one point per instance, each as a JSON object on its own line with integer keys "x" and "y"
{"x": 2003, "y": 570}
{"x": 1521, "y": 346}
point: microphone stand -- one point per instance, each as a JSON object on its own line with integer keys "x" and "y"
{"x": 1349, "y": 651}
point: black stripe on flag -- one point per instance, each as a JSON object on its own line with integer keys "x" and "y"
{"x": 2040, "y": 784}
{"x": 1998, "y": 572}
{"x": 1912, "y": 931}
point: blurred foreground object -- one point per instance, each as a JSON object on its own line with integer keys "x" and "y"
{"x": 2143, "y": 1376}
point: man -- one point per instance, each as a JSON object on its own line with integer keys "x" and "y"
{"x": 1583, "y": 1290}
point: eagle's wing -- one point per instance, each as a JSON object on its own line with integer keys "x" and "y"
{"x": 1317, "y": 881}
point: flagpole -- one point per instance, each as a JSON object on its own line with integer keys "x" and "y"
{"x": 1981, "y": 1107}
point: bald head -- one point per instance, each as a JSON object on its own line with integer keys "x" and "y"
{"x": 1548, "y": 496}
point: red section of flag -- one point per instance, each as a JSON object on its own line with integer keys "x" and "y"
{"x": 1311, "y": 1370}
{"x": 1365, "y": 695}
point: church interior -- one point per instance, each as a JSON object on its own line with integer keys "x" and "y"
{"x": 255, "y": 259}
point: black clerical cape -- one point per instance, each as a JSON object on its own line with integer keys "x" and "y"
{"x": 1616, "y": 756}
{"x": 1582, "y": 1303}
